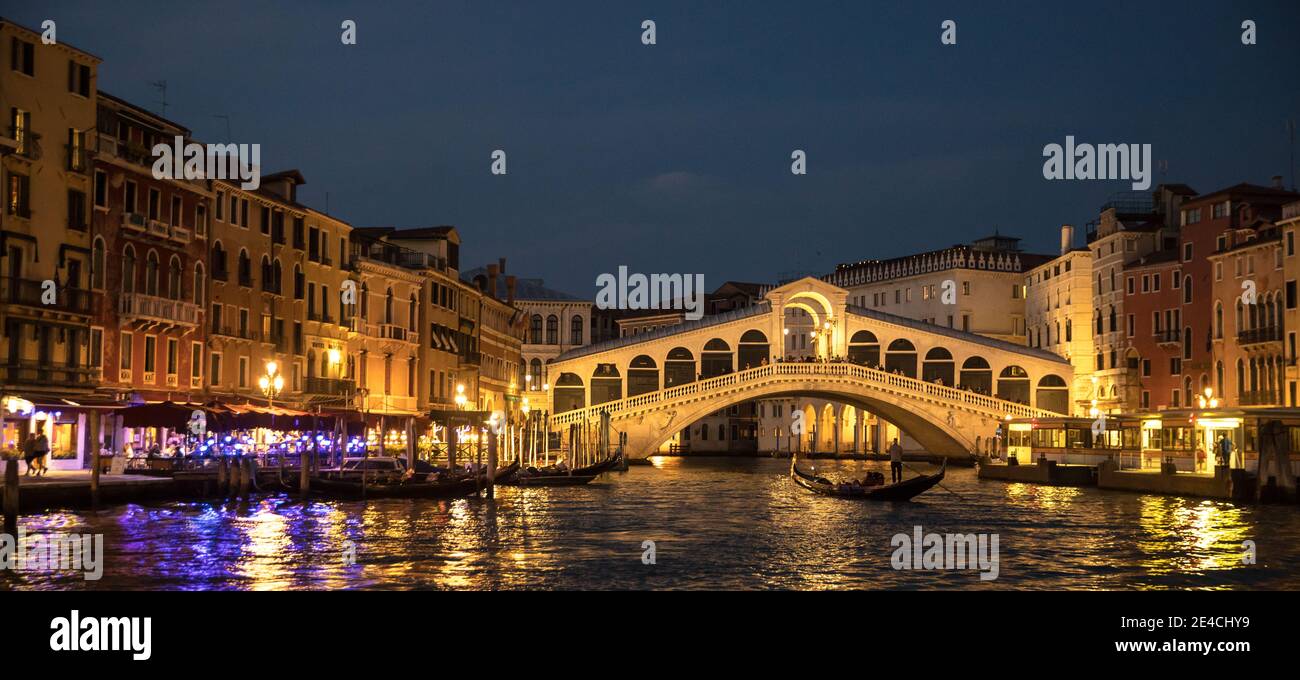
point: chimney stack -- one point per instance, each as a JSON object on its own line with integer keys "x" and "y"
{"x": 492, "y": 281}
{"x": 501, "y": 263}
{"x": 510, "y": 289}
{"x": 1277, "y": 182}
{"x": 1067, "y": 238}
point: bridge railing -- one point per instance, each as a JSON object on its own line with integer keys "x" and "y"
{"x": 897, "y": 382}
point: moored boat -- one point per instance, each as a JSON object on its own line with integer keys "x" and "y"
{"x": 899, "y": 491}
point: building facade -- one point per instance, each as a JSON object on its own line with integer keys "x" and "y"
{"x": 1058, "y": 314}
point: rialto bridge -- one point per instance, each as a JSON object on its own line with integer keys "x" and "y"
{"x": 945, "y": 388}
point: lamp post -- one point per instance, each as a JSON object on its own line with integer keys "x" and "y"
{"x": 271, "y": 384}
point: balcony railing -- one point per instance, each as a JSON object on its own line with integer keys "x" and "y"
{"x": 1255, "y": 336}
{"x": 47, "y": 375}
{"x": 335, "y": 387}
{"x": 134, "y": 222}
{"x": 1168, "y": 337}
{"x": 470, "y": 358}
{"x": 237, "y": 332}
{"x": 30, "y": 293}
{"x": 158, "y": 309}
{"x": 1261, "y": 398}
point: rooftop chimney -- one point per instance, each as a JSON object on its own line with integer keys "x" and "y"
{"x": 1277, "y": 183}
{"x": 501, "y": 262}
{"x": 1067, "y": 238}
{"x": 492, "y": 270}
{"x": 510, "y": 289}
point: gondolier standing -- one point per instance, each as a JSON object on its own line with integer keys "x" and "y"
{"x": 895, "y": 462}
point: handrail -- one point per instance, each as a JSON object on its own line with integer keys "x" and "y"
{"x": 912, "y": 386}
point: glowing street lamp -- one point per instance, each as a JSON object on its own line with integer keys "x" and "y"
{"x": 460, "y": 396}
{"x": 272, "y": 383}
{"x": 1208, "y": 400}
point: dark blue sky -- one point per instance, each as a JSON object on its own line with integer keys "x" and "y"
{"x": 675, "y": 157}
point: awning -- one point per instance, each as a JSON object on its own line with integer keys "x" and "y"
{"x": 164, "y": 414}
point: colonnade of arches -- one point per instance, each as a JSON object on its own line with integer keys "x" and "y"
{"x": 645, "y": 373}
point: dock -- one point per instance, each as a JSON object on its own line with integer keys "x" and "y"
{"x": 1044, "y": 472}
{"x": 70, "y": 489}
{"x": 1223, "y": 483}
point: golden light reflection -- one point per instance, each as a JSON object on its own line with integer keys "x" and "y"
{"x": 1190, "y": 535}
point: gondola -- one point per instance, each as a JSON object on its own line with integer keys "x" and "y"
{"x": 601, "y": 467}
{"x": 900, "y": 491}
{"x": 559, "y": 479}
{"x": 349, "y": 489}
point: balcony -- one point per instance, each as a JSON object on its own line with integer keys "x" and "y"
{"x": 1260, "y": 336}
{"x": 159, "y": 228}
{"x": 221, "y": 274}
{"x": 180, "y": 234}
{"x": 47, "y": 375}
{"x": 334, "y": 387}
{"x": 236, "y": 332}
{"x": 158, "y": 310}
{"x": 31, "y": 293}
{"x": 1261, "y": 398}
{"x": 134, "y": 222}
{"x": 470, "y": 358}
{"x": 1169, "y": 338}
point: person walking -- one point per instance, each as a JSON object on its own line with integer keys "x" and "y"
{"x": 42, "y": 449}
{"x": 29, "y": 454}
{"x": 1225, "y": 450}
{"x": 895, "y": 462}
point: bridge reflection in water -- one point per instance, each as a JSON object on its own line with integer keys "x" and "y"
{"x": 716, "y": 523}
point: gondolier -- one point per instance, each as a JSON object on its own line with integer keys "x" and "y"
{"x": 895, "y": 462}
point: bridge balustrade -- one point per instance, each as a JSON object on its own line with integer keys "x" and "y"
{"x": 901, "y": 383}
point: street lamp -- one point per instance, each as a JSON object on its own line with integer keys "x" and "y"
{"x": 271, "y": 383}
{"x": 1208, "y": 400}
{"x": 460, "y": 396}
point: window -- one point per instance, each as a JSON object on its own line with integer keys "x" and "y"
{"x": 127, "y": 351}
{"x": 101, "y": 189}
{"x": 20, "y": 125}
{"x": 196, "y": 362}
{"x": 220, "y": 205}
{"x": 18, "y": 195}
{"x": 214, "y": 369}
{"x": 1187, "y": 248}
{"x": 98, "y": 260}
{"x": 173, "y": 361}
{"x": 76, "y": 210}
{"x": 150, "y": 353}
{"x": 96, "y": 347}
{"x": 22, "y": 57}
{"x": 1131, "y": 285}
{"x": 243, "y": 371}
{"x": 1290, "y": 243}
{"x": 575, "y": 330}
{"x": 76, "y": 150}
{"x": 200, "y": 220}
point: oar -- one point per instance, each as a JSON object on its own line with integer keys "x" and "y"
{"x": 938, "y": 484}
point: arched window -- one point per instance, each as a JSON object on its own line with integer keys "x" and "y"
{"x": 174, "y": 278}
{"x": 1218, "y": 319}
{"x": 575, "y": 330}
{"x": 245, "y": 269}
{"x": 97, "y": 263}
{"x": 535, "y": 330}
{"x": 1069, "y": 331}
{"x": 128, "y": 269}
{"x": 552, "y": 330}
{"x": 388, "y": 306}
{"x": 151, "y": 274}
{"x": 219, "y": 271}
{"x": 299, "y": 282}
{"x": 1187, "y": 290}
{"x": 277, "y": 276}
{"x": 200, "y": 285}
{"x": 365, "y": 301}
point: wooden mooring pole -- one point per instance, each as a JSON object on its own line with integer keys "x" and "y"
{"x": 493, "y": 439}
{"x": 223, "y": 475}
{"x": 11, "y": 496}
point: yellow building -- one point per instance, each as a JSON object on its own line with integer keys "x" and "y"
{"x": 48, "y": 96}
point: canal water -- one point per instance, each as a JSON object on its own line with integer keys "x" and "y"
{"x": 726, "y": 523}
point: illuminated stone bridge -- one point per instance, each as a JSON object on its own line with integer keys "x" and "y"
{"x": 945, "y": 388}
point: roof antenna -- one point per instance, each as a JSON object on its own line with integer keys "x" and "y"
{"x": 161, "y": 86}
{"x": 1290, "y": 128}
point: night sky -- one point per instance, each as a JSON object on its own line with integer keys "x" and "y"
{"x": 676, "y": 157}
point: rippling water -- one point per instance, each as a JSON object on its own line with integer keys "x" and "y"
{"x": 715, "y": 523}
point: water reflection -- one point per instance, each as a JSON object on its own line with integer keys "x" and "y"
{"x": 715, "y": 523}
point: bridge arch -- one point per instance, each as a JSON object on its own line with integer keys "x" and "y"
{"x": 977, "y": 375}
{"x": 864, "y": 348}
{"x": 679, "y": 367}
{"x": 900, "y": 357}
{"x": 1053, "y": 394}
{"x": 716, "y": 359}
{"x": 1013, "y": 384}
{"x": 753, "y": 349}
{"x": 642, "y": 375}
{"x": 606, "y": 384}
{"x": 938, "y": 367}
{"x": 569, "y": 393}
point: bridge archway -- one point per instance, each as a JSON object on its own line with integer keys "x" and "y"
{"x": 977, "y": 375}
{"x": 1013, "y": 384}
{"x": 901, "y": 358}
{"x": 938, "y": 367}
{"x": 642, "y": 376}
{"x": 716, "y": 359}
{"x": 864, "y": 349}
{"x": 606, "y": 384}
{"x": 753, "y": 349}
{"x": 1053, "y": 394}
{"x": 679, "y": 367}
{"x": 570, "y": 393}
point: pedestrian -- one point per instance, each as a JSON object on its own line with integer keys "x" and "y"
{"x": 1224, "y": 449}
{"x": 42, "y": 449}
{"x": 29, "y": 454}
{"x": 895, "y": 462}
